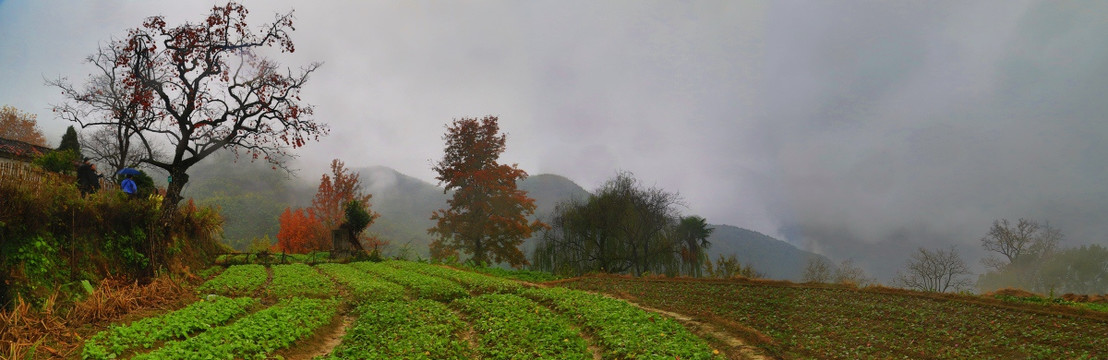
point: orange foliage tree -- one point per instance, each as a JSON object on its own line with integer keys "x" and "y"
{"x": 335, "y": 191}
{"x": 487, "y": 218}
{"x": 21, "y": 126}
{"x": 300, "y": 232}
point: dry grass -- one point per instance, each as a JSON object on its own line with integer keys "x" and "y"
{"x": 58, "y": 330}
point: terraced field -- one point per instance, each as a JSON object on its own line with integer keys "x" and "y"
{"x": 400, "y": 310}
{"x": 790, "y": 321}
{"x": 407, "y": 310}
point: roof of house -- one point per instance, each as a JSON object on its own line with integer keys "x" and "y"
{"x": 20, "y": 150}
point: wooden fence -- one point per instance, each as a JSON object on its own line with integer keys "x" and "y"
{"x": 27, "y": 176}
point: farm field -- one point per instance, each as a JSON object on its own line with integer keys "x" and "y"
{"x": 799, "y": 322}
{"x": 393, "y": 309}
{"x": 397, "y": 309}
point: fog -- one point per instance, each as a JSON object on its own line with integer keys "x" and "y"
{"x": 851, "y": 128}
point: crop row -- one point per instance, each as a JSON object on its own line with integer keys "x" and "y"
{"x": 236, "y": 280}
{"x": 478, "y": 283}
{"x": 299, "y": 280}
{"x": 420, "y": 329}
{"x": 512, "y": 327}
{"x": 851, "y": 324}
{"x": 363, "y": 287}
{"x": 623, "y": 330}
{"x": 142, "y": 334}
{"x": 424, "y": 286}
{"x": 255, "y": 336}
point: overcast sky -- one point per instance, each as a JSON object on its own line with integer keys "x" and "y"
{"x": 822, "y": 122}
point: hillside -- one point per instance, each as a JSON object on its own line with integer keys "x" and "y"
{"x": 252, "y": 196}
{"x": 791, "y": 321}
{"x": 549, "y": 189}
{"x": 776, "y": 258}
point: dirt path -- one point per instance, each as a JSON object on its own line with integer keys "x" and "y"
{"x": 701, "y": 328}
{"x": 323, "y": 342}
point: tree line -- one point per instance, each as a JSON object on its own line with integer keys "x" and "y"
{"x": 1026, "y": 254}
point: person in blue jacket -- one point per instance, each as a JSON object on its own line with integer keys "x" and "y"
{"x": 129, "y": 186}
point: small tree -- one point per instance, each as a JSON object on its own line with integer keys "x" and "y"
{"x": 730, "y": 267}
{"x": 693, "y": 233}
{"x": 20, "y": 126}
{"x": 935, "y": 271}
{"x": 850, "y": 274}
{"x": 1023, "y": 248}
{"x": 70, "y": 141}
{"x": 300, "y": 232}
{"x": 358, "y": 218}
{"x": 335, "y": 192}
{"x": 102, "y": 145}
{"x": 487, "y": 218}
{"x": 818, "y": 270}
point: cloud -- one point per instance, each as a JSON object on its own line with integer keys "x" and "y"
{"x": 898, "y": 121}
{"x": 837, "y": 125}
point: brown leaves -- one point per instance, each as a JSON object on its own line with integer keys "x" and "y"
{"x": 488, "y": 214}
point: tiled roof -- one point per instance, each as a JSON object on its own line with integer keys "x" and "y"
{"x": 20, "y": 150}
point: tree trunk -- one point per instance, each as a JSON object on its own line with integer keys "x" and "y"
{"x": 159, "y": 239}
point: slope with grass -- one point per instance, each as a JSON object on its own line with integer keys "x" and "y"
{"x": 825, "y": 322}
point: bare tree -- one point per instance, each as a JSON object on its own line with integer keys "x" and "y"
{"x": 115, "y": 109}
{"x": 199, "y": 88}
{"x": 1008, "y": 241}
{"x": 937, "y": 271}
{"x": 104, "y": 145}
{"x": 818, "y": 270}
{"x": 851, "y": 274}
{"x": 1023, "y": 249}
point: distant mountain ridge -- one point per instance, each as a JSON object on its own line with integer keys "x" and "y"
{"x": 406, "y": 203}
{"x": 776, "y": 258}
{"x": 252, "y": 196}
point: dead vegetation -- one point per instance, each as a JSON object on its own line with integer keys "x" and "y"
{"x": 58, "y": 329}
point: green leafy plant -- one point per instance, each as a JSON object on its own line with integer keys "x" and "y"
{"x": 420, "y": 329}
{"x": 623, "y": 330}
{"x": 142, "y": 334}
{"x": 475, "y": 282}
{"x": 255, "y": 336}
{"x": 299, "y": 280}
{"x": 362, "y": 286}
{"x": 535, "y": 331}
{"x": 424, "y": 287}
{"x": 236, "y": 280}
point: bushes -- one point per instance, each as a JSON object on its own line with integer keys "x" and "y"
{"x": 59, "y": 161}
{"x": 47, "y": 229}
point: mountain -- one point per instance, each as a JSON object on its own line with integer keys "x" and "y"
{"x": 406, "y": 203}
{"x": 548, "y": 190}
{"x": 251, "y": 197}
{"x": 776, "y": 258}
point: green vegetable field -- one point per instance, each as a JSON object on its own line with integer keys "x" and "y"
{"x": 400, "y": 310}
{"x": 410, "y": 310}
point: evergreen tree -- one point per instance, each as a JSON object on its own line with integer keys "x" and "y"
{"x": 69, "y": 141}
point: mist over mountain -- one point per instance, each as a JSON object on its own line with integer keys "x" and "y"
{"x": 773, "y": 257}
{"x": 251, "y": 197}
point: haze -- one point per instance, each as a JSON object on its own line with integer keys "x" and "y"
{"x": 836, "y": 125}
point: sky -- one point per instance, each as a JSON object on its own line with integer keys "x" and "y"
{"x": 830, "y": 124}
